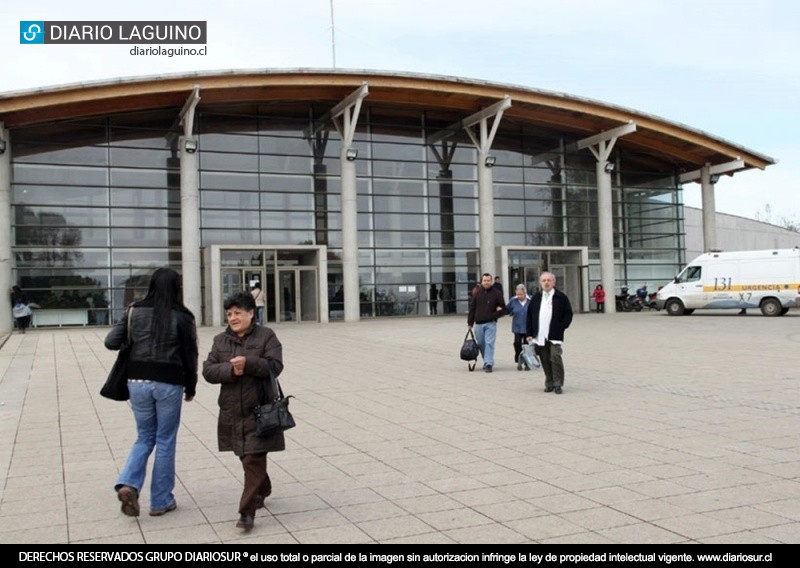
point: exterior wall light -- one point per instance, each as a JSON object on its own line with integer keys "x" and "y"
{"x": 190, "y": 145}
{"x": 351, "y": 154}
{"x": 2, "y": 146}
{"x": 489, "y": 161}
{"x": 609, "y": 167}
{"x": 713, "y": 179}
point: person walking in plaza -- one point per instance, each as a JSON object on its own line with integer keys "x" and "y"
{"x": 162, "y": 371}
{"x": 433, "y": 299}
{"x": 549, "y": 315}
{"x": 261, "y": 301}
{"x": 599, "y": 296}
{"x": 486, "y": 306}
{"x": 518, "y": 308}
{"x": 241, "y": 358}
{"x": 20, "y": 308}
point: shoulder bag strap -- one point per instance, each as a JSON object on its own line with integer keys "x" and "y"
{"x": 130, "y": 312}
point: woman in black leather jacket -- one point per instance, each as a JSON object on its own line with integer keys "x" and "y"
{"x": 162, "y": 370}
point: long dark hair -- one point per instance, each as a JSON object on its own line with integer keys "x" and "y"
{"x": 163, "y": 295}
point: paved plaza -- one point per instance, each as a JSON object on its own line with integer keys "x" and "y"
{"x": 670, "y": 430}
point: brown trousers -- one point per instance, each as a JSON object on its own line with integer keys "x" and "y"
{"x": 257, "y": 484}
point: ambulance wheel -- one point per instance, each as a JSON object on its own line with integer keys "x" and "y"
{"x": 771, "y": 307}
{"x": 784, "y": 311}
{"x": 674, "y": 307}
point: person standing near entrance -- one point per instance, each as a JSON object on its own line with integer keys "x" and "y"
{"x": 486, "y": 305}
{"x": 599, "y": 296}
{"x": 260, "y": 299}
{"x": 549, "y": 315}
{"x": 433, "y": 299}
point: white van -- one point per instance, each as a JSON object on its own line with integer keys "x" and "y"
{"x": 764, "y": 279}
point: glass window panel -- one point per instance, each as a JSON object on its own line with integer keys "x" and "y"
{"x": 399, "y": 222}
{"x": 140, "y": 157}
{"x": 143, "y": 178}
{"x": 60, "y": 257}
{"x": 401, "y": 257}
{"x": 286, "y": 164}
{"x": 399, "y": 187}
{"x": 228, "y": 236}
{"x": 234, "y": 219}
{"x": 287, "y": 220}
{"x": 59, "y": 175}
{"x": 47, "y": 277}
{"x": 51, "y": 154}
{"x": 301, "y": 184}
{"x": 137, "y": 237}
{"x": 228, "y": 142}
{"x": 63, "y": 195}
{"x": 143, "y": 197}
{"x": 400, "y": 239}
{"x": 507, "y": 224}
{"x": 398, "y": 169}
{"x": 465, "y": 223}
{"x": 283, "y": 237}
{"x": 287, "y": 201}
{"x": 406, "y": 152}
{"x": 508, "y": 207}
{"x": 539, "y": 208}
{"x": 502, "y": 173}
{"x": 121, "y": 217}
{"x": 228, "y": 181}
{"x": 508, "y": 191}
{"x": 286, "y": 146}
{"x": 61, "y": 216}
{"x": 218, "y": 161}
{"x": 229, "y": 199}
{"x": 141, "y": 258}
{"x": 391, "y": 203}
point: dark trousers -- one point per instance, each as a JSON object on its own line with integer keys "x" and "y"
{"x": 434, "y": 308}
{"x": 257, "y": 484}
{"x": 552, "y": 364}
{"x": 518, "y": 339}
{"x": 600, "y": 307}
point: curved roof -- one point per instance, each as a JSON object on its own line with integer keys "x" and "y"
{"x": 684, "y": 147}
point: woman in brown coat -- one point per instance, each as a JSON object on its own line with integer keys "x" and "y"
{"x": 241, "y": 357}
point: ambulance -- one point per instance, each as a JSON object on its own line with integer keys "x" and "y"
{"x": 765, "y": 279}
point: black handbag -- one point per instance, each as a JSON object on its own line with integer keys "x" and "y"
{"x": 272, "y": 417}
{"x": 470, "y": 350}
{"x": 116, "y": 385}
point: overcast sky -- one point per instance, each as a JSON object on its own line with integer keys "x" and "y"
{"x": 727, "y": 67}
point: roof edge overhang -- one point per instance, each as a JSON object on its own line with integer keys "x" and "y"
{"x": 677, "y": 143}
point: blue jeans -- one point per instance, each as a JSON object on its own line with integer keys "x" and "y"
{"x": 485, "y": 335}
{"x": 260, "y": 315}
{"x": 157, "y": 410}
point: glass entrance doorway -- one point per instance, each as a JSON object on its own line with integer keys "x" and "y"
{"x": 240, "y": 280}
{"x": 297, "y": 297}
{"x": 525, "y": 266}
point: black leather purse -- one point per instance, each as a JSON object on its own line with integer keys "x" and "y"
{"x": 116, "y": 385}
{"x": 272, "y": 417}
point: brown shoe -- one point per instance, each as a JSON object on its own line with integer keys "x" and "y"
{"x": 159, "y": 512}
{"x": 129, "y": 498}
{"x": 245, "y": 522}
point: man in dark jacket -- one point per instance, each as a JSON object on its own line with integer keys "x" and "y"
{"x": 486, "y": 305}
{"x": 549, "y": 315}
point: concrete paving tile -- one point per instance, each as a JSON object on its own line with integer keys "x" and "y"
{"x": 394, "y": 527}
{"x": 428, "y": 503}
{"x": 786, "y": 508}
{"x": 747, "y": 518}
{"x": 425, "y": 538}
{"x": 650, "y": 509}
{"x": 744, "y": 537}
{"x": 454, "y": 518}
{"x": 562, "y": 502}
{"x": 371, "y": 511}
{"x": 57, "y": 534}
{"x": 697, "y": 525}
{"x": 510, "y": 510}
{"x": 642, "y": 533}
{"x": 579, "y": 538}
{"x": 599, "y": 518}
{"x": 482, "y": 496}
{"x": 544, "y": 527}
{"x": 492, "y": 534}
{"x": 785, "y": 534}
{"x": 345, "y": 534}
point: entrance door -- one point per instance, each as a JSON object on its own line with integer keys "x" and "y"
{"x": 296, "y": 294}
{"x": 231, "y": 281}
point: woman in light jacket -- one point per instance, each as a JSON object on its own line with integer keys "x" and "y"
{"x": 162, "y": 371}
{"x": 518, "y": 308}
{"x": 240, "y": 362}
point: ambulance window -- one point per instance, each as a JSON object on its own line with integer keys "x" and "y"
{"x": 693, "y": 273}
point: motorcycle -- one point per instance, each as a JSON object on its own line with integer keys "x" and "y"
{"x": 625, "y": 301}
